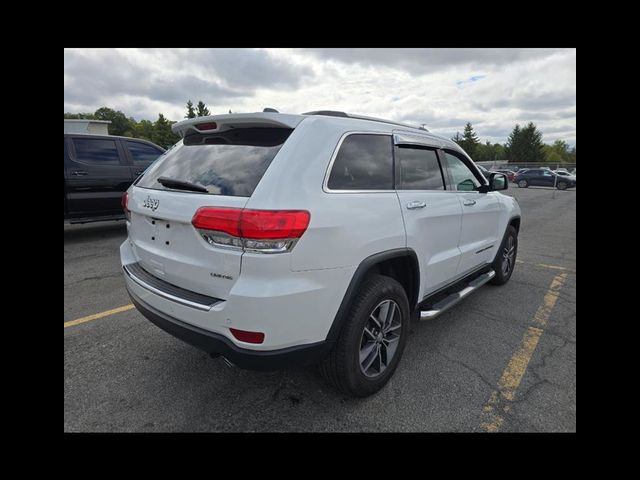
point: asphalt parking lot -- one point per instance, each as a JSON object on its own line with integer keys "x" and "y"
{"x": 504, "y": 359}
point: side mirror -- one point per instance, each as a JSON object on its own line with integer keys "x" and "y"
{"x": 498, "y": 181}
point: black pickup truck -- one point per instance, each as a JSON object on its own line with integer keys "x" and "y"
{"x": 98, "y": 169}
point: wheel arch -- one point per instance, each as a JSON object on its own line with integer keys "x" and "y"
{"x": 398, "y": 263}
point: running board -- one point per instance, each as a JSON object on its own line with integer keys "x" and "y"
{"x": 451, "y": 300}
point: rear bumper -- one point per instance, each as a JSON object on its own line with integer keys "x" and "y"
{"x": 214, "y": 343}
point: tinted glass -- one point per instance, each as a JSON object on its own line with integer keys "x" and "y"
{"x": 142, "y": 152}
{"x": 96, "y": 150}
{"x": 227, "y": 163}
{"x": 463, "y": 178}
{"x": 419, "y": 169}
{"x": 364, "y": 162}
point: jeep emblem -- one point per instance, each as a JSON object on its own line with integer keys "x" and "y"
{"x": 151, "y": 203}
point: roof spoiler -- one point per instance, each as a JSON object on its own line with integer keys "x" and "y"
{"x": 220, "y": 123}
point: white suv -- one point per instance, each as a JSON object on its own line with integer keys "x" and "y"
{"x": 277, "y": 240}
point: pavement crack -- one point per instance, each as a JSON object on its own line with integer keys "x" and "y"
{"x": 97, "y": 277}
{"x": 468, "y": 367}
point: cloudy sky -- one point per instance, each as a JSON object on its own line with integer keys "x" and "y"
{"x": 442, "y": 88}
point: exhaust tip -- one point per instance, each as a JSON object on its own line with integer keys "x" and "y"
{"x": 228, "y": 363}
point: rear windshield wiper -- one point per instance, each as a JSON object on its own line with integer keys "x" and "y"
{"x": 181, "y": 185}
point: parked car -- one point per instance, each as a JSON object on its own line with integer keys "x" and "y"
{"x": 279, "y": 240}
{"x": 511, "y": 175}
{"x": 543, "y": 177}
{"x": 565, "y": 174}
{"x": 97, "y": 171}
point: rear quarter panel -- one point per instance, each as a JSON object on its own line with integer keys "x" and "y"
{"x": 345, "y": 228}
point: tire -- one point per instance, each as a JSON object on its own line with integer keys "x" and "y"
{"x": 502, "y": 276}
{"x": 561, "y": 186}
{"x": 523, "y": 184}
{"x": 343, "y": 368}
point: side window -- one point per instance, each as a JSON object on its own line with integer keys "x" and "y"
{"x": 464, "y": 180}
{"x": 96, "y": 150}
{"x": 142, "y": 152}
{"x": 419, "y": 169}
{"x": 364, "y": 162}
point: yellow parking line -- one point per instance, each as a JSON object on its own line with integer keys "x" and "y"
{"x": 499, "y": 401}
{"x": 95, "y": 316}
{"x": 545, "y": 265}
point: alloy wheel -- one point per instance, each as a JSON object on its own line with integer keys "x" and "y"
{"x": 380, "y": 338}
{"x": 508, "y": 255}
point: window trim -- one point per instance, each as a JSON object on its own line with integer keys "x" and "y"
{"x": 398, "y": 173}
{"x": 325, "y": 182}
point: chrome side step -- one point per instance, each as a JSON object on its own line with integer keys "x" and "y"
{"x": 451, "y": 300}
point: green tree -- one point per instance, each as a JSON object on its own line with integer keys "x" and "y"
{"x": 202, "y": 110}
{"x": 524, "y": 145}
{"x": 484, "y": 152}
{"x": 162, "y": 134}
{"x": 470, "y": 140}
{"x": 144, "y": 129}
{"x": 513, "y": 146}
{"x": 191, "y": 113}
{"x": 120, "y": 124}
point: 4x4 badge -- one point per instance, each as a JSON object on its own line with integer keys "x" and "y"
{"x": 151, "y": 203}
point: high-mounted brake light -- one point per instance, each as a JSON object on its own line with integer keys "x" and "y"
{"x": 206, "y": 126}
{"x": 267, "y": 231}
{"x": 249, "y": 337}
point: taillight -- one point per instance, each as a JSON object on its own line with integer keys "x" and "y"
{"x": 125, "y": 205}
{"x": 222, "y": 219}
{"x": 273, "y": 224}
{"x": 249, "y": 337}
{"x": 266, "y": 231}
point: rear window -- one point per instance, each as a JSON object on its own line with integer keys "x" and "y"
{"x": 364, "y": 162}
{"x": 142, "y": 152}
{"x": 227, "y": 163}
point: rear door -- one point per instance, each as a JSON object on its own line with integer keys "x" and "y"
{"x": 547, "y": 178}
{"x": 535, "y": 178}
{"x": 432, "y": 214}
{"x": 480, "y": 213}
{"x": 97, "y": 175}
{"x": 141, "y": 155}
{"x": 229, "y": 166}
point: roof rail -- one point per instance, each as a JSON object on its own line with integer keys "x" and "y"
{"x": 334, "y": 113}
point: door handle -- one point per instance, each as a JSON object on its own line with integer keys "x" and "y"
{"x": 414, "y": 205}
{"x": 468, "y": 203}
{"x": 79, "y": 173}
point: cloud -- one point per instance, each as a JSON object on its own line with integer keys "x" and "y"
{"x": 443, "y": 88}
{"x": 428, "y": 60}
